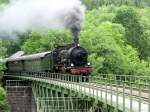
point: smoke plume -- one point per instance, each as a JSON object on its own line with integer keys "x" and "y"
{"x": 21, "y": 16}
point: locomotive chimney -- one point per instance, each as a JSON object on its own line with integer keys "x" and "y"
{"x": 75, "y": 32}
{"x": 76, "y": 40}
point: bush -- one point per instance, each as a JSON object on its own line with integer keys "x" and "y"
{"x": 3, "y": 101}
{"x": 42, "y": 42}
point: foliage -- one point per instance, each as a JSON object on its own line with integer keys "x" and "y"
{"x": 2, "y": 1}
{"x": 2, "y": 54}
{"x": 145, "y": 24}
{"x": 3, "y": 101}
{"x": 92, "y": 4}
{"x": 42, "y": 42}
{"x": 11, "y": 45}
{"x": 134, "y": 32}
{"x": 107, "y": 43}
{"x": 3, "y": 4}
{"x": 104, "y": 46}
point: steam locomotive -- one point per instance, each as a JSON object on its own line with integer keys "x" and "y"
{"x": 66, "y": 59}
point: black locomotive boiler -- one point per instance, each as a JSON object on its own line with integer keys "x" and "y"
{"x": 70, "y": 59}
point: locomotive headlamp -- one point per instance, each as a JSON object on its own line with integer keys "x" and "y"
{"x": 72, "y": 64}
{"x": 88, "y": 64}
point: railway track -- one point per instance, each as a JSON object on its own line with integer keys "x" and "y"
{"x": 142, "y": 94}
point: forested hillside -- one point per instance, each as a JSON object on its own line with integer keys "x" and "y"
{"x": 117, "y": 38}
{"x": 91, "y": 4}
{"x": 116, "y": 34}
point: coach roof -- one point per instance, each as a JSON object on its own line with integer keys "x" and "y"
{"x": 28, "y": 57}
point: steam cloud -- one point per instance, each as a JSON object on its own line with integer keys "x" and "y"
{"x": 21, "y": 16}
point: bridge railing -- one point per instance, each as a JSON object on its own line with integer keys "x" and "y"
{"x": 100, "y": 78}
{"x": 127, "y": 80}
{"x": 130, "y": 83}
{"x": 55, "y": 76}
{"x": 133, "y": 87}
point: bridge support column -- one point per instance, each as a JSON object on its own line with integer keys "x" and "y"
{"x": 20, "y": 96}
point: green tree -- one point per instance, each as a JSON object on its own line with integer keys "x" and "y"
{"x": 2, "y": 55}
{"x": 104, "y": 44}
{"x": 3, "y": 101}
{"x": 12, "y": 46}
{"x": 95, "y": 4}
{"x": 109, "y": 50}
{"x": 42, "y": 42}
{"x": 128, "y": 17}
{"x": 32, "y": 44}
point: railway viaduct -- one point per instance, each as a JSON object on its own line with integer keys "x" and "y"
{"x": 46, "y": 92}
